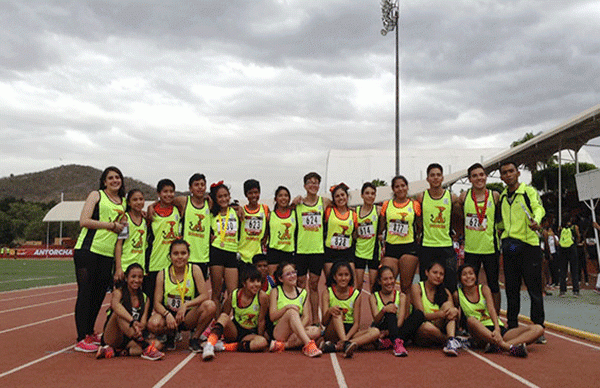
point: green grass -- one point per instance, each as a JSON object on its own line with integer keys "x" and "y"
{"x": 19, "y": 274}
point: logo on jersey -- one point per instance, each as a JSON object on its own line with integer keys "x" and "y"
{"x": 439, "y": 220}
{"x": 286, "y": 234}
{"x": 198, "y": 227}
{"x": 171, "y": 233}
{"x": 138, "y": 241}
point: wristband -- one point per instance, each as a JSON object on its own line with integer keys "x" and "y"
{"x": 166, "y": 313}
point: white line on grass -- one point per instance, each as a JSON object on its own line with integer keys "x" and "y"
{"x": 172, "y": 373}
{"x": 37, "y": 305}
{"x": 35, "y": 361}
{"x": 339, "y": 376}
{"x": 504, "y": 370}
{"x": 36, "y": 288}
{"x": 35, "y": 295}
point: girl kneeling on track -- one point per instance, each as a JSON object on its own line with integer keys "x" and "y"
{"x": 341, "y": 313}
{"x": 390, "y": 313}
{"x": 127, "y": 319}
{"x": 477, "y": 305}
{"x": 249, "y": 304}
{"x": 434, "y": 300}
{"x": 287, "y": 307}
{"x": 181, "y": 301}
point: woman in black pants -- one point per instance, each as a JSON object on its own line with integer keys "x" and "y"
{"x": 100, "y": 223}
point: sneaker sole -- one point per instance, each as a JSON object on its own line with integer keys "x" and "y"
{"x": 450, "y": 353}
{"x": 152, "y": 358}
{"x": 403, "y": 354}
{"x": 349, "y": 352}
{"x": 85, "y": 350}
{"x": 208, "y": 357}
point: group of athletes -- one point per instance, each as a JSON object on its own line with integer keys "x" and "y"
{"x": 265, "y": 265}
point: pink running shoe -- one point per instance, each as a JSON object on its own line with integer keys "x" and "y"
{"x": 152, "y": 354}
{"x": 399, "y": 349}
{"x": 96, "y": 339}
{"x": 105, "y": 351}
{"x": 385, "y": 343}
{"x": 86, "y": 345}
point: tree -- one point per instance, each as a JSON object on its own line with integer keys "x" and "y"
{"x": 496, "y": 186}
{"x": 550, "y": 176}
{"x": 378, "y": 182}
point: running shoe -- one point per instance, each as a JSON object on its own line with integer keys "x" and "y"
{"x": 219, "y": 346}
{"x": 541, "y": 340}
{"x": 170, "y": 342}
{"x": 276, "y": 346}
{"x": 152, "y": 354}
{"x": 452, "y": 347}
{"x": 208, "y": 353}
{"x": 105, "y": 351}
{"x": 465, "y": 342}
{"x": 328, "y": 347}
{"x": 86, "y": 345}
{"x": 311, "y": 350}
{"x": 179, "y": 336}
{"x": 96, "y": 338}
{"x": 384, "y": 344}
{"x": 491, "y": 348}
{"x": 519, "y": 350}
{"x": 194, "y": 345}
{"x": 349, "y": 348}
{"x": 399, "y": 349}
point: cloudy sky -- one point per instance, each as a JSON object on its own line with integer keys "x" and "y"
{"x": 264, "y": 88}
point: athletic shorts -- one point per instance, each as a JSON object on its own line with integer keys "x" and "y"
{"x": 275, "y": 256}
{"x": 242, "y": 331}
{"x": 335, "y": 255}
{"x": 364, "y": 263}
{"x": 348, "y": 326}
{"x": 503, "y": 329}
{"x": 182, "y": 326}
{"x": 312, "y": 262}
{"x": 491, "y": 265}
{"x": 223, "y": 258}
{"x": 398, "y": 250}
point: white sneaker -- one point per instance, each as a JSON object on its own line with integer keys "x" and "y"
{"x": 219, "y": 346}
{"x": 208, "y": 353}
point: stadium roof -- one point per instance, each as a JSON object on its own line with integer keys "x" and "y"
{"x": 65, "y": 211}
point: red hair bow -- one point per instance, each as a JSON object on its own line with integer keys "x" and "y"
{"x": 339, "y": 185}
{"x": 219, "y": 183}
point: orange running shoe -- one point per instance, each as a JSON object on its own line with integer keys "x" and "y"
{"x": 276, "y": 346}
{"x": 311, "y": 350}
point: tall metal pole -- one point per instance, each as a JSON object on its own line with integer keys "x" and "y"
{"x": 390, "y": 10}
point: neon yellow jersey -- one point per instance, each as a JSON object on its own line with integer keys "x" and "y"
{"x": 436, "y": 220}
{"x": 247, "y": 316}
{"x": 102, "y": 241}
{"x": 310, "y": 228}
{"x": 253, "y": 228}
{"x": 428, "y": 306}
{"x": 225, "y": 229}
{"x": 400, "y": 221}
{"x": 134, "y": 246}
{"x": 366, "y": 238}
{"x": 163, "y": 230}
{"x": 480, "y": 232}
{"x": 283, "y": 300}
{"x": 566, "y": 238}
{"x": 176, "y": 293}
{"x": 282, "y": 231}
{"x": 380, "y": 304}
{"x": 339, "y": 228}
{"x": 346, "y": 305}
{"x": 477, "y": 310}
{"x": 195, "y": 225}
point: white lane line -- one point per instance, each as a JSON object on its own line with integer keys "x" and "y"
{"x": 172, "y": 373}
{"x": 504, "y": 370}
{"x": 573, "y": 340}
{"x": 36, "y": 323}
{"x": 36, "y": 288}
{"x": 36, "y": 295}
{"x": 35, "y": 361}
{"x": 43, "y": 321}
{"x": 27, "y": 279}
{"x": 37, "y": 305}
{"x": 339, "y": 376}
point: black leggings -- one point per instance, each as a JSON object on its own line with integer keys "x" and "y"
{"x": 93, "y": 274}
{"x": 407, "y": 330}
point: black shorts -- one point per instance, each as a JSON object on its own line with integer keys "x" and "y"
{"x": 364, "y": 263}
{"x": 275, "y": 256}
{"x": 335, "y": 255}
{"x": 242, "y": 331}
{"x": 312, "y": 262}
{"x": 398, "y": 250}
{"x": 204, "y": 268}
{"x": 491, "y": 265}
{"x": 223, "y": 258}
{"x": 182, "y": 326}
{"x": 348, "y": 326}
{"x": 503, "y": 329}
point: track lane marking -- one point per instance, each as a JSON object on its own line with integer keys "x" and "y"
{"x": 35, "y": 361}
{"x": 28, "y": 279}
{"x": 36, "y": 288}
{"x": 37, "y": 305}
{"x": 504, "y": 370}
{"x": 339, "y": 376}
{"x": 172, "y": 373}
{"x": 35, "y": 295}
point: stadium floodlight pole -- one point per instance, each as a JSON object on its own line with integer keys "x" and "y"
{"x": 390, "y": 10}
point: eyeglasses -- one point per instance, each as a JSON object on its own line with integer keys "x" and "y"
{"x": 290, "y": 273}
{"x": 313, "y": 183}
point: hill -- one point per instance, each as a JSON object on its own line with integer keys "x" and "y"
{"x": 73, "y": 180}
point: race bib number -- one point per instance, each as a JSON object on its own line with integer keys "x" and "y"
{"x": 398, "y": 228}
{"x": 173, "y": 302}
{"x": 340, "y": 241}
{"x": 366, "y": 230}
{"x": 253, "y": 225}
{"x": 135, "y": 313}
{"x": 472, "y": 222}
{"x": 230, "y": 226}
{"x": 311, "y": 220}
